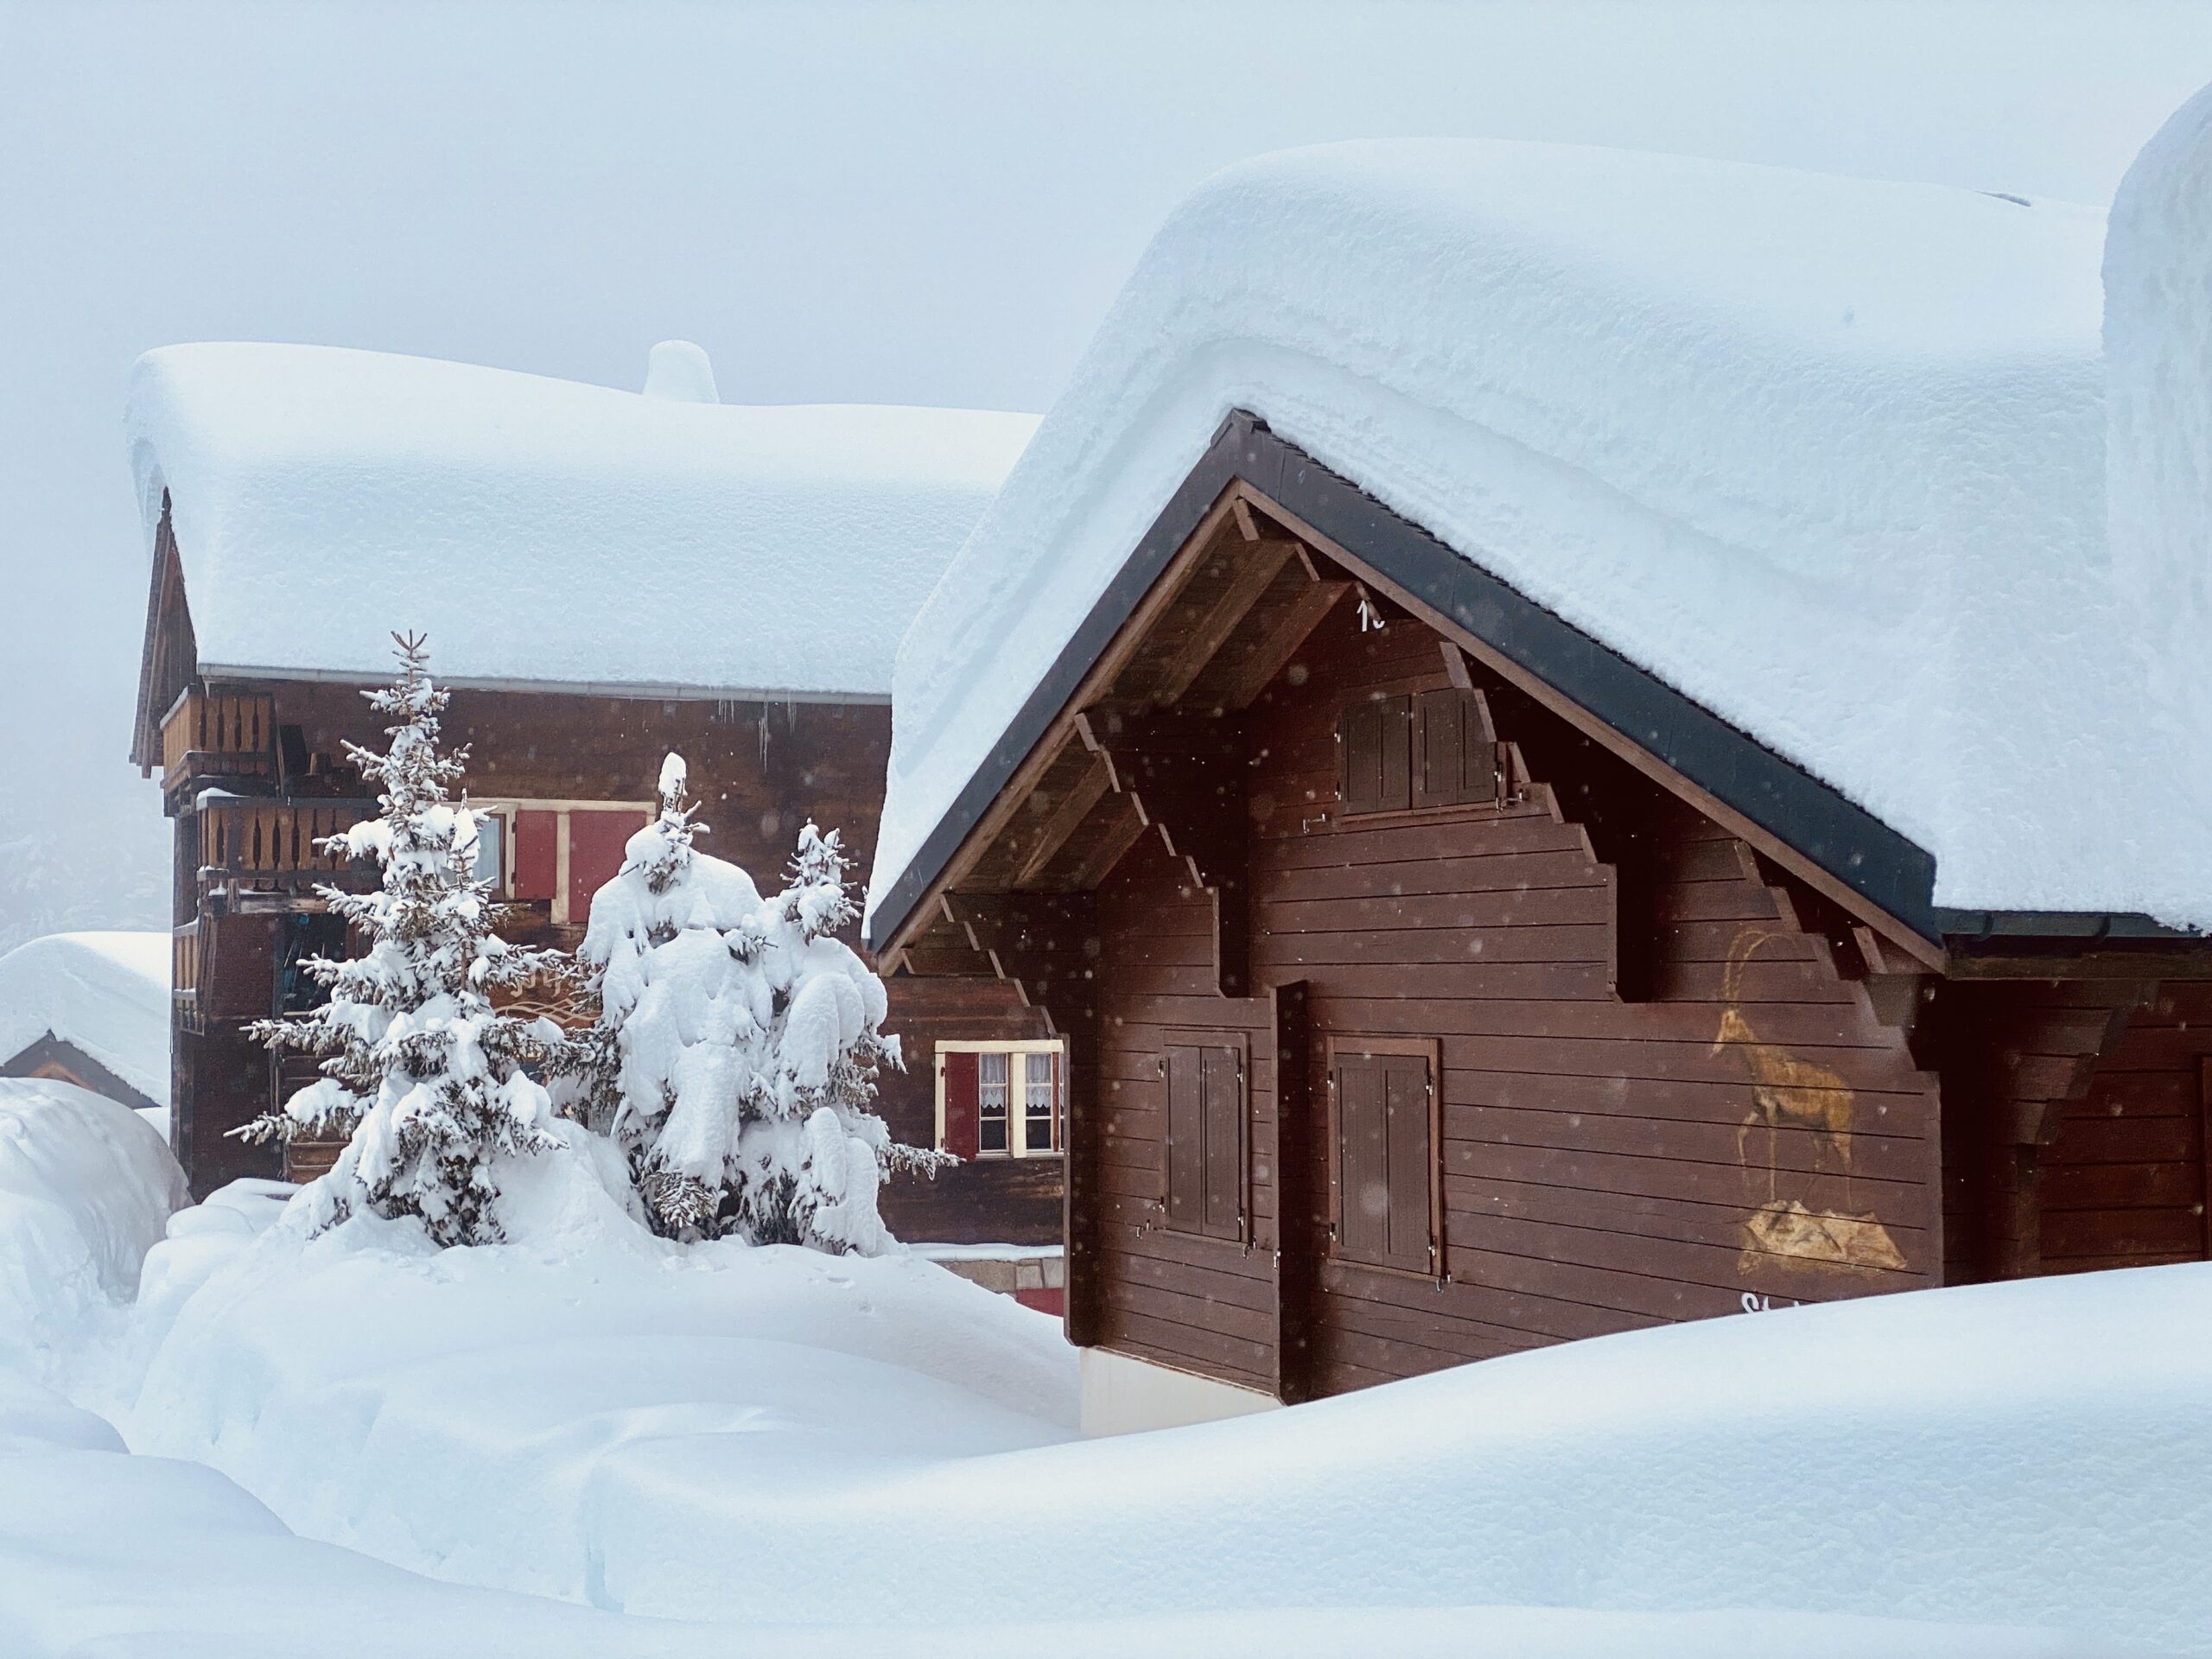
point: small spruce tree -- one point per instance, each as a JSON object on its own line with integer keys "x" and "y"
{"x": 739, "y": 1043}
{"x": 433, "y": 1084}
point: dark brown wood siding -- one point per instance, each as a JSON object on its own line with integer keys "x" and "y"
{"x": 2124, "y": 1184}
{"x": 1750, "y": 1130}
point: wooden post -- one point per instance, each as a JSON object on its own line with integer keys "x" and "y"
{"x": 1300, "y": 1226}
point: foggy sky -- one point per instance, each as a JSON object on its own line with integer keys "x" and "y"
{"x": 841, "y": 201}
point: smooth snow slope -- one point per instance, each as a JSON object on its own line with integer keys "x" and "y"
{"x": 1826, "y": 455}
{"x": 545, "y": 530}
{"x": 106, "y": 992}
{"x": 725, "y": 1434}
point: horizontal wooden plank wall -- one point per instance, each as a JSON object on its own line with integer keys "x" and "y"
{"x": 2124, "y": 1185}
{"x": 1606, "y": 1164}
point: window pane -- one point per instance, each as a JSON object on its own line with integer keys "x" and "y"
{"x": 993, "y": 1131}
{"x": 1038, "y": 1098}
{"x": 490, "y": 848}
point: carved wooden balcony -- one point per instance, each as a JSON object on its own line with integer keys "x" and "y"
{"x": 210, "y": 739}
{"x": 184, "y": 975}
{"x": 251, "y": 845}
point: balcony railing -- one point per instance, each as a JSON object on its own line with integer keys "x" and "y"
{"x": 206, "y": 737}
{"x": 249, "y": 843}
{"x": 184, "y": 975}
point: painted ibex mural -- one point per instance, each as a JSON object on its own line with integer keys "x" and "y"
{"x": 1790, "y": 1093}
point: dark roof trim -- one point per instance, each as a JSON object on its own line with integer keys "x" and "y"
{"x": 1892, "y": 872}
{"x": 2066, "y": 926}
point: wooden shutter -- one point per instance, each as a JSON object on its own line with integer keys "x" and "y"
{"x": 1224, "y": 1158}
{"x": 962, "y": 1098}
{"x": 1454, "y": 750}
{"x": 595, "y": 842}
{"x": 1186, "y": 1138}
{"x": 1386, "y": 1166}
{"x": 1205, "y": 1138}
{"x": 1375, "y": 755}
{"x": 538, "y": 854}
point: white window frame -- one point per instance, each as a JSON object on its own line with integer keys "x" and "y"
{"x": 1017, "y": 1077}
{"x": 509, "y": 806}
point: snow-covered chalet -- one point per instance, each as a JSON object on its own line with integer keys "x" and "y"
{"x": 1574, "y": 740}
{"x": 603, "y": 576}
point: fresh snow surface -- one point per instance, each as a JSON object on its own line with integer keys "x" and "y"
{"x": 807, "y": 1455}
{"x": 106, "y": 992}
{"x": 619, "y": 1422}
{"x": 1828, "y": 455}
{"x": 85, "y": 1187}
{"x": 629, "y": 540}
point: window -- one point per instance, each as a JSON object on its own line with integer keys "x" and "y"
{"x": 1388, "y": 1196}
{"x": 1205, "y": 1138}
{"x": 1436, "y": 749}
{"x": 999, "y": 1100}
{"x": 556, "y": 853}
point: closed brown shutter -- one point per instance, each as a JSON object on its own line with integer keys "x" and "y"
{"x": 1186, "y": 1138}
{"x": 1455, "y": 751}
{"x": 962, "y": 1096}
{"x": 1225, "y": 1093}
{"x": 1205, "y": 1138}
{"x": 1386, "y": 1166}
{"x": 1375, "y": 759}
{"x": 597, "y": 840}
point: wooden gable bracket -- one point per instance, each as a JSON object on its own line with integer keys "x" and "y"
{"x": 1184, "y": 778}
{"x": 1047, "y": 943}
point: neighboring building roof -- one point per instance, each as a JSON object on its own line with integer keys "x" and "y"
{"x": 544, "y": 531}
{"x": 1827, "y": 456}
{"x": 104, "y": 994}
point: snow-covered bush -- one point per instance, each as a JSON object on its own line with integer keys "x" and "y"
{"x": 739, "y": 1043}
{"x": 433, "y": 1085}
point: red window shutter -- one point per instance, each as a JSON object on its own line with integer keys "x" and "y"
{"x": 595, "y": 842}
{"x": 963, "y": 1095}
{"x": 538, "y": 854}
{"x": 1224, "y": 1092}
{"x": 1186, "y": 1138}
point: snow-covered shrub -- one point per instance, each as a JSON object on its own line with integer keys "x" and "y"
{"x": 739, "y": 1043}
{"x": 433, "y": 1085}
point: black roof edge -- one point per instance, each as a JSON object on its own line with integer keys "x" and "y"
{"x": 1969, "y": 927}
{"x": 1891, "y": 871}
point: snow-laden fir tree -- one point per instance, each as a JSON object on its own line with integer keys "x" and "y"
{"x": 739, "y": 1042}
{"x": 429, "y": 1080}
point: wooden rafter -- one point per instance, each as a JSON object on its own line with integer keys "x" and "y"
{"x": 1065, "y": 817}
{"x": 1260, "y": 563}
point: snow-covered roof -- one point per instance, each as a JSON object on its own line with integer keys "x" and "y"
{"x": 546, "y": 531}
{"x": 1826, "y": 456}
{"x": 106, "y": 994}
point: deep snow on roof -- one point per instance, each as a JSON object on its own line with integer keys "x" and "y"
{"x": 1825, "y": 455}
{"x": 108, "y": 993}
{"x": 546, "y": 531}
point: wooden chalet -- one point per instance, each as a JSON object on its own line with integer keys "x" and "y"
{"x": 90, "y": 1009}
{"x": 565, "y": 727}
{"x": 1438, "y": 984}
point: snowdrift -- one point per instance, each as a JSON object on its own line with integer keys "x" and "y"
{"x": 108, "y": 993}
{"x": 635, "y": 541}
{"x": 85, "y": 1186}
{"x": 1776, "y": 437}
{"x": 715, "y": 1435}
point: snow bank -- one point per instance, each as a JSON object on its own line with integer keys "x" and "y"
{"x": 1780, "y": 438}
{"x": 106, "y": 992}
{"x": 468, "y": 1413}
{"x": 720, "y": 1434}
{"x": 631, "y": 540}
{"x": 85, "y": 1187}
